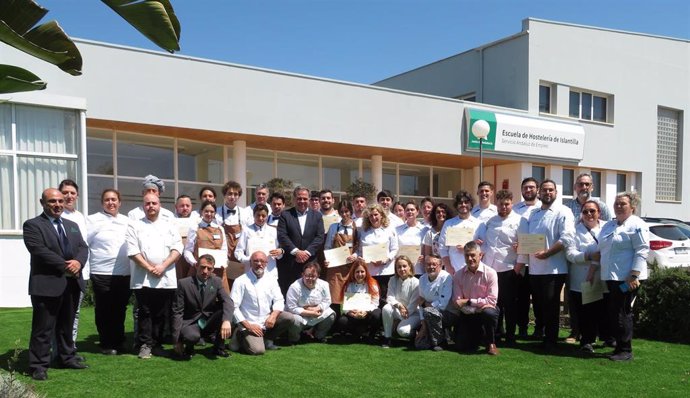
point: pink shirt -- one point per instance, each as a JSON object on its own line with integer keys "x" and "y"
{"x": 481, "y": 286}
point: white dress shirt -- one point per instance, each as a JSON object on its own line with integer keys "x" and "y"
{"x": 437, "y": 292}
{"x": 79, "y": 218}
{"x": 258, "y": 237}
{"x": 412, "y": 236}
{"x": 299, "y": 296}
{"x": 584, "y": 242}
{"x": 557, "y": 225}
{"x": 374, "y": 236}
{"x": 255, "y": 298}
{"x": 624, "y": 248}
{"x": 484, "y": 214}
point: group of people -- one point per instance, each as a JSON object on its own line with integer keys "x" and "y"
{"x": 431, "y": 273}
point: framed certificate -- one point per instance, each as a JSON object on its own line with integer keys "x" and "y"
{"x": 531, "y": 243}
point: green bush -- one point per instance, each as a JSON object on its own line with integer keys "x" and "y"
{"x": 664, "y": 304}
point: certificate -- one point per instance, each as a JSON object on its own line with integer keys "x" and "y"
{"x": 328, "y": 221}
{"x": 357, "y": 301}
{"x": 411, "y": 251}
{"x": 459, "y": 236}
{"x": 531, "y": 243}
{"x": 259, "y": 244}
{"x": 221, "y": 256}
{"x": 338, "y": 256}
{"x": 377, "y": 252}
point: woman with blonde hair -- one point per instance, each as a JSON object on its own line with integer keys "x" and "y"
{"x": 403, "y": 295}
{"x": 376, "y": 231}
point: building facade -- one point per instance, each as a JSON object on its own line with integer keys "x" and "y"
{"x": 588, "y": 99}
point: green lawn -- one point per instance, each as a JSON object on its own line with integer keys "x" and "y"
{"x": 353, "y": 370}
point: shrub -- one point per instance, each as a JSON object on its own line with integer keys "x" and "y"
{"x": 664, "y": 304}
{"x": 361, "y": 187}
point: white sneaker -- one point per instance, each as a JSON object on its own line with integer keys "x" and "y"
{"x": 145, "y": 351}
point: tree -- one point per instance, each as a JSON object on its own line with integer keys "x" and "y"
{"x": 19, "y": 28}
{"x": 283, "y": 186}
{"x": 361, "y": 187}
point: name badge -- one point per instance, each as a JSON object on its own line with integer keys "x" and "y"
{"x": 237, "y": 236}
{"x": 216, "y": 236}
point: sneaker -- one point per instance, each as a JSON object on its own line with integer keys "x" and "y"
{"x": 437, "y": 348}
{"x": 622, "y": 356}
{"x": 587, "y": 348}
{"x": 145, "y": 351}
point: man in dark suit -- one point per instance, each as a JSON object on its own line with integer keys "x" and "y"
{"x": 202, "y": 307}
{"x": 58, "y": 254}
{"x": 301, "y": 235}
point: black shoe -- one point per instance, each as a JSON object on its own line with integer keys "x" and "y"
{"x": 386, "y": 343}
{"x": 610, "y": 343}
{"x": 80, "y": 358}
{"x": 75, "y": 365}
{"x": 587, "y": 348}
{"x": 220, "y": 352}
{"x": 622, "y": 356}
{"x": 39, "y": 375}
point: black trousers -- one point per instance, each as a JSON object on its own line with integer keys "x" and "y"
{"x": 621, "y": 315}
{"x": 546, "y": 292}
{"x": 475, "y": 329}
{"x": 523, "y": 300}
{"x": 507, "y": 303}
{"x": 382, "y": 280}
{"x": 111, "y": 295}
{"x": 359, "y": 327}
{"x": 53, "y": 316}
{"x": 153, "y": 305}
{"x": 191, "y": 334}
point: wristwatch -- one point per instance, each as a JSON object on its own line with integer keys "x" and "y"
{"x": 633, "y": 276}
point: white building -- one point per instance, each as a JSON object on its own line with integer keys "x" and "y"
{"x": 197, "y": 122}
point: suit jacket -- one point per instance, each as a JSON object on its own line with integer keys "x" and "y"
{"x": 47, "y": 277}
{"x": 188, "y": 308}
{"x": 290, "y": 235}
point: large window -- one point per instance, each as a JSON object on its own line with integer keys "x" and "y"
{"x": 338, "y": 173}
{"x": 43, "y": 152}
{"x": 588, "y": 106}
{"x": 669, "y": 155}
{"x": 139, "y": 155}
{"x": 596, "y": 184}
{"x": 198, "y": 161}
{"x": 446, "y": 182}
{"x": 621, "y": 183}
{"x": 539, "y": 173}
{"x": 301, "y": 169}
{"x": 259, "y": 166}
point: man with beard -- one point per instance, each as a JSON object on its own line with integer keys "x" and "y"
{"x": 329, "y": 214}
{"x": 359, "y": 203}
{"x": 530, "y": 192}
{"x": 583, "y": 188}
{"x": 548, "y": 267}
{"x": 259, "y": 308}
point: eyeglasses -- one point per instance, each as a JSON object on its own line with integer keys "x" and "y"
{"x": 589, "y": 211}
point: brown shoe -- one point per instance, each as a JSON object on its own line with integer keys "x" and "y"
{"x": 492, "y": 350}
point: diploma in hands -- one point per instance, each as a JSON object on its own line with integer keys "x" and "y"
{"x": 337, "y": 256}
{"x": 531, "y": 243}
{"x": 459, "y": 236}
{"x": 377, "y": 252}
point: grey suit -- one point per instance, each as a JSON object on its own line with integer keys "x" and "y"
{"x": 188, "y": 309}
{"x": 54, "y": 295}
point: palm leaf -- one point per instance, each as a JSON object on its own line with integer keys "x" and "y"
{"x": 46, "y": 41}
{"x": 155, "y": 19}
{"x": 14, "y": 79}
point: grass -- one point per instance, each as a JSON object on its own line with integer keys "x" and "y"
{"x": 354, "y": 370}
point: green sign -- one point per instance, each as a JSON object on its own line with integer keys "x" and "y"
{"x": 474, "y": 115}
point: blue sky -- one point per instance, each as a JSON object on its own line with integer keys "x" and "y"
{"x": 360, "y": 40}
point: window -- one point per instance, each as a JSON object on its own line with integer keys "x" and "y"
{"x": 669, "y": 155}
{"x": 621, "y": 183}
{"x": 43, "y": 152}
{"x": 544, "y": 99}
{"x": 596, "y": 184}
{"x": 338, "y": 173}
{"x": 301, "y": 169}
{"x": 539, "y": 173}
{"x": 568, "y": 181}
{"x": 259, "y": 166}
{"x": 390, "y": 173}
{"x": 446, "y": 182}
{"x": 414, "y": 180}
{"x": 198, "y": 161}
{"x": 139, "y": 155}
{"x": 588, "y": 106}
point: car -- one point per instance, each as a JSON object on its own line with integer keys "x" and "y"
{"x": 684, "y": 226}
{"x": 669, "y": 246}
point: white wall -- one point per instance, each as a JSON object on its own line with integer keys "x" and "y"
{"x": 14, "y": 272}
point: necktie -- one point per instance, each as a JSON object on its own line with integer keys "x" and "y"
{"x": 202, "y": 320}
{"x": 64, "y": 242}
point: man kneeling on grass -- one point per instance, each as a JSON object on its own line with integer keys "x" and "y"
{"x": 202, "y": 307}
{"x": 259, "y": 316}
{"x": 309, "y": 299}
{"x": 475, "y": 290}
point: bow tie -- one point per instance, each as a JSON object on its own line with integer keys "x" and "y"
{"x": 231, "y": 212}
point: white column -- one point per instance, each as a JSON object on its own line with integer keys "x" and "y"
{"x": 239, "y": 170}
{"x": 84, "y": 197}
{"x": 377, "y": 172}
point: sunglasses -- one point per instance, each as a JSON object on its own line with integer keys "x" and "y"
{"x": 589, "y": 211}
